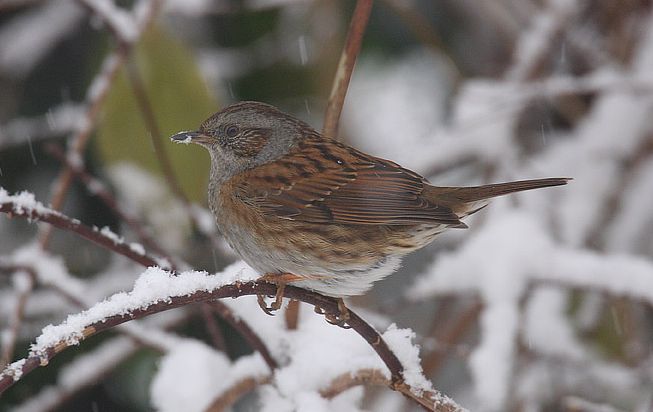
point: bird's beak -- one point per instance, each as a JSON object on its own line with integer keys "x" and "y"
{"x": 190, "y": 137}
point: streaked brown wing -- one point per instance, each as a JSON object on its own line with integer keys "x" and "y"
{"x": 344, "y": 186}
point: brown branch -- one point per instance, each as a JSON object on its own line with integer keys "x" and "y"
{"x": 53, "y": 397}
{"x": 327, "y": 304}
{"x": 292, "y": 315}
{"x": 431, "y": 401}
{"x": 349, "y": 380}
{"x": 237, "y": 391}
{"x": 9, "y": 343}
{"x": 97, "y": 188}
{"x": 337, "y": 98}
{"x": 346, "y": 66}
{"x": 248, "y": 333}
{"x": 212, "y": 327}
{"x": 95, "y": 97}
{"x": 450, "y": 335}
{"x": 62, "y": 221}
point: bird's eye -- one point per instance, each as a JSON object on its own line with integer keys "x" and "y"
{"x": 232, "y": 131}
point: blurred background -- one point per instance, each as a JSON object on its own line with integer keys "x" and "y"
{"x": 544, "y": 304}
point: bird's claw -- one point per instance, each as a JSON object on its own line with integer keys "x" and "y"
{"x": 278, "y": 300}
{"x": 340, "y": 319}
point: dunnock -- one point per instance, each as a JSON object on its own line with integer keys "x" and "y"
{"x": 305, "y": 209}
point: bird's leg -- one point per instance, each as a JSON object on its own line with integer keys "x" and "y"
{"x": 341, "y": 318}
{"x": 281, "y": 280}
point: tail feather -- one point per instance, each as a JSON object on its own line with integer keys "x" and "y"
{"x": 467, "y": 200}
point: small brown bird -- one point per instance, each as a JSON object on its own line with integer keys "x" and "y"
{"x": 305, "y": 209}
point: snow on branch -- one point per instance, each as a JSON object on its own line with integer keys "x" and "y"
{"x": 24, "y": 205}
{"x": 157, "y": 290}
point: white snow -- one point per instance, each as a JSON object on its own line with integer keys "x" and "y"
{"x": 24, "y": 202}
{"x": 15, "y": 369}
{"x": 499, "y": 262}
{"x": 152, "y": 286}
{"x": 192, "y": 375}
{"x": 111, "y": 235}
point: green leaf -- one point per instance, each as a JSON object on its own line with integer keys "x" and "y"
{"x": 180, "y": 100}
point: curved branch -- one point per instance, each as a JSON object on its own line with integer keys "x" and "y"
{"x": 431, "y": 401}
{"x": 237, "y": 391}
{"x": 327, "y": 304}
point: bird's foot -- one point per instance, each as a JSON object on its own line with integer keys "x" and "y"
{"x": 339, "y": 319}
{"x": 281, "y": 280}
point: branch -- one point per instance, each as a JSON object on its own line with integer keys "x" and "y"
{"x": 346, "y": 66}
{"x": 248, "y": 333}
{"x": 91, "y": 367}
{"x": 23, "y": 205}
{"x": 41, "y": 356}
{"x": 95, "y": 97}
{"x": 431, "y": 401}
{"x": 23, "y": 285}
{"x": 99, "y": 189}
{"x": 237, "y": 391}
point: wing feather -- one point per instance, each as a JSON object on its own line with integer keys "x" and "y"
{"x": 348, "y": 187}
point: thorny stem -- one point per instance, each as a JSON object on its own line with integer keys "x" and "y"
{"x": 346, "y": 66}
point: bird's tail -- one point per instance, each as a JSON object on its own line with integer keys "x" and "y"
{"x": 467, "y": 200}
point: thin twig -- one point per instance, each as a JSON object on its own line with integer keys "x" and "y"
{"x": 62, "y": 221}
{"x": 95, "y": 97}
{"x": 22, "y": 296}
{"x": 237, "y": 391}
{"x": 430, "y": 401}
{"x": 346, "y": 66}
{"x": 337, "y": 98}
{"x": 99, "y": 189}
{"x": 246, "y": 331}
{"x": 292, "y": 315}
{"x": 98, "y": 363}
{"x": 449, "y": 336}
{"x": 215, "y": 333}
